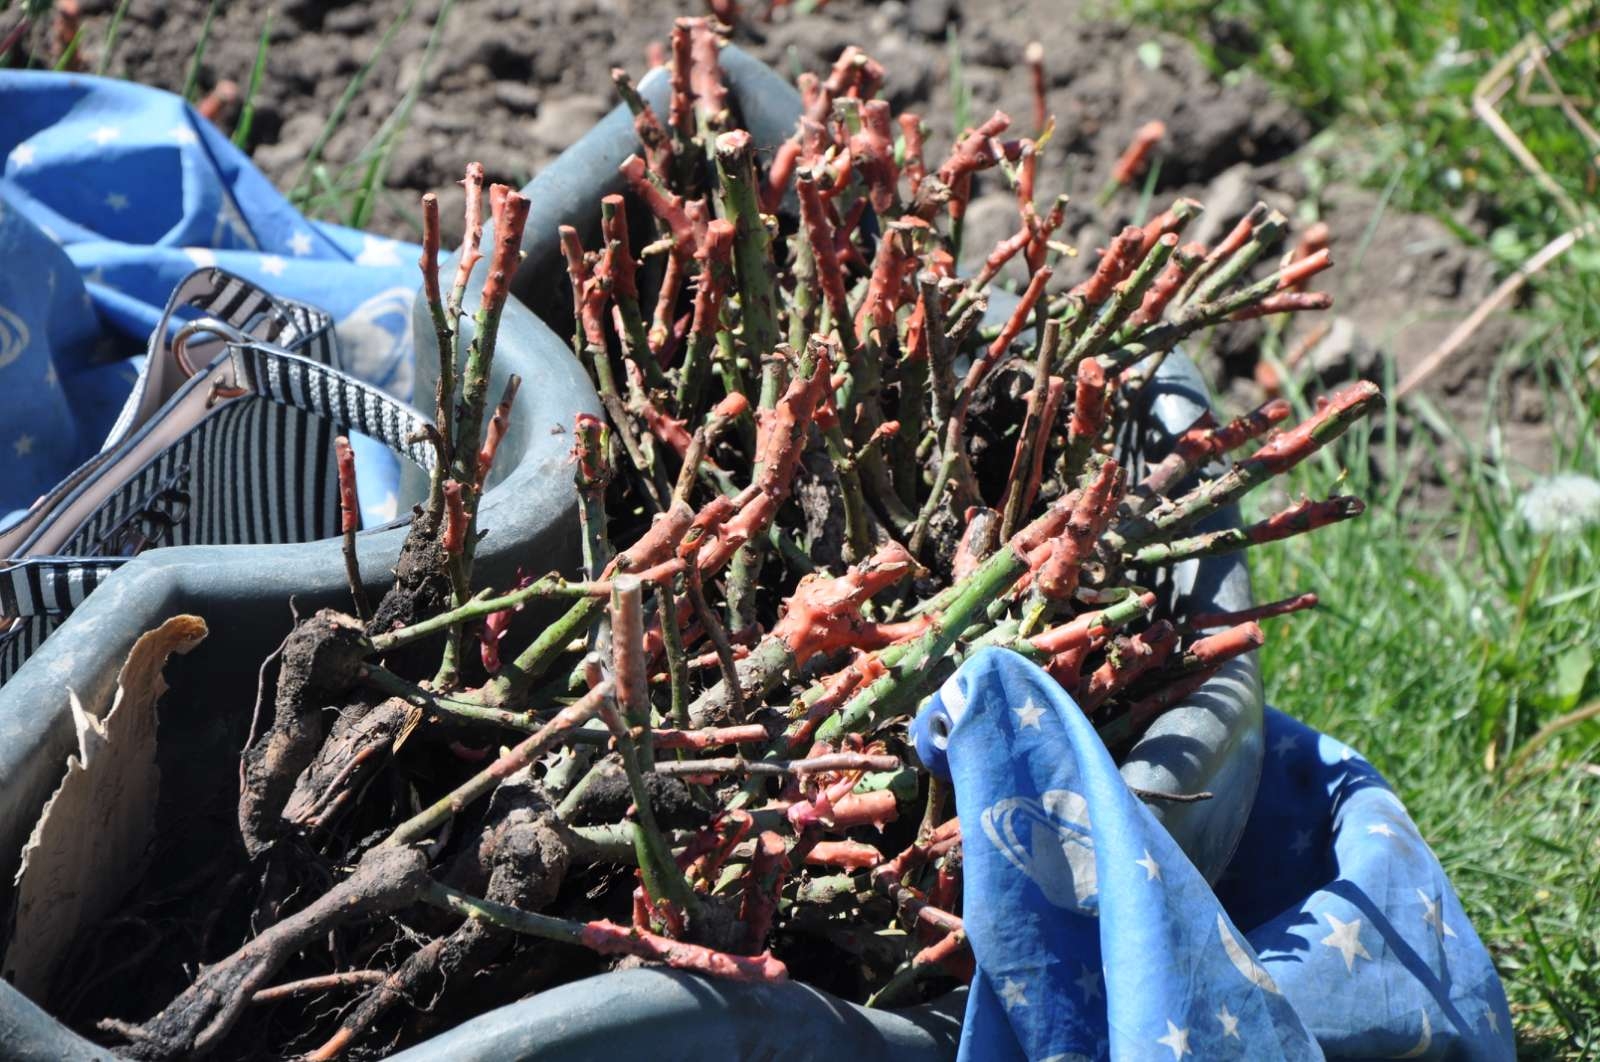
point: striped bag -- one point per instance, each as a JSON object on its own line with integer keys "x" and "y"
{"x": 226, "y": 439}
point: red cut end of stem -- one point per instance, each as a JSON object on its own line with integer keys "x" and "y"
{"x": 1286, "y": 302}
{"x": 1306, "y": 515}
{"x": 1207, "y": 620}
{"x": 1166, "y": 285}
{"x": 680, "y": 107}
{"x": 1033, "y": 55}
{"x": 705, "y": 73}
{"x": 824, "y": 614}
{"x": 1118, "y": 261}
{"x": 974, "y": 151}
{"x": 1294, "y": 276}
{"x": 349, "y": 505}
{"x": 1081, "y": 631}
{"x": 1314, "y": 240}
{"x": 914, "y": 167}
{"x": 1019, "y": 317}
{"x": 1089, "y": 401}
{"x": 1059, "y": 573}
{"x": 710, "y": 737}
{"x": 1128, "y": 660}
{"x": 1235, "y": 641}
{"x": 663, "y": 204}
{"x": 608, "y": 938}
{"x": 510, "y": 218}
{"x": 1168, "y": 222}
{"x": 472, "y": 236}
{"x": 428, "y": 262}
{"x": 848, "y": 855}
{"x": 1283, "y": 452}
{"x": 1137, "y": 155}
{"x": 1240, "y": 234}
{"x": 657, "y": 544}
{"x": 455, "y": 523}
{"x": 819, "y": 233}
{"x": 877, "y": 809}
{"x": 619, "y": 262}
{"x": 498, "y": 424}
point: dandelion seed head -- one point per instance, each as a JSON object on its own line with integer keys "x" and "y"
{"x": 1562, "y": 504}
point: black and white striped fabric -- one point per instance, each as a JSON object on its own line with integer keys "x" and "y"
{"x": 256, "y": 469}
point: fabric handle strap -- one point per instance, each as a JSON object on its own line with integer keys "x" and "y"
{"x": 302, "y": 383}
{"x": 52, "y": 585}
{"x": 43, "y": 585}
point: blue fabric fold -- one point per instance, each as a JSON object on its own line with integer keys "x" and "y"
{"x": 1333, "y": 932}
{"x": 111, "y": 193}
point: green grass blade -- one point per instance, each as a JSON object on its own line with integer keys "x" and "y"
{"x": 191, "y": 82}
{"x": 298, "y": 194}
{"x": 65, "y": 62}
{"x": 247, "y": 113}
{"x": 394, "y": 128}
{"x": 111, "y": 37}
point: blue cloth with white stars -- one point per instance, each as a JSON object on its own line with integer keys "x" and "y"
{"x": 1333, "y": 932}
{"x": 110, "y": 194}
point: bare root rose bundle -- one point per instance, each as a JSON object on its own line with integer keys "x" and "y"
{"x": 825, "y": 475}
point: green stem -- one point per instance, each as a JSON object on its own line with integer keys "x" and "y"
{"x": 896, "y": 691}
{"x": 515, "y": 759}
{"x": 537, "y": 658}
{"x": 662, "y": 878}
{"x": 1022, "y": 459}
{"x": 677, "y": 665}
{"x": 1262, "y": 236}
{"x": 1129, "y": 294}
{"x": 482, "y": 606}
{"x": 750, "y": 679}
{"x": 752, "y": 257}
{"x": 528, "y": 923}
{"x": 857, "y": 534}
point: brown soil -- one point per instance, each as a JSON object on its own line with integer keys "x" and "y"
{"x": 513, "y": 84}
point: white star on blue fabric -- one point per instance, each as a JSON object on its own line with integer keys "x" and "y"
{"x": 183, "y": 134}
{"x": 376, "y": 251}
{"x": 1177, "y": 1039}
{"x": 273, "y": 265}
{"x": 23, "y": 445}
{"x": 22, "y": 155}
{"x": 1346, "y": 937}
{"x": 1014, "y": 994}
{"x": 300, "y": 244}
{"x": 1028, "y": 716}
{"x": 1381, "y": 828}
{"x": 1302, "y": 842}
{"x": 1432, "y": 915}
{"x": 1284, "y": 744}
{"x": 1152, "y": 869}
{"x": 1493, "y": 1019}
{"x": 1088, "y": 983}
{"x": 117, "y": 201}
{"x": 1230, "y": 1022}
{"x": 105, "y": 134}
